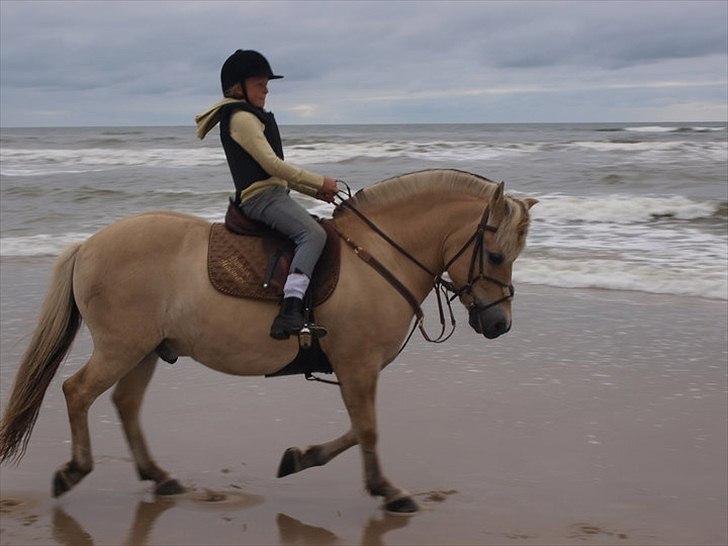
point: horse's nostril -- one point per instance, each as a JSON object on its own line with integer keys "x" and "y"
{"x": 501, "y": 327}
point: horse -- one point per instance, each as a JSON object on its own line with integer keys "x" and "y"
{"x": 143, "y": 279}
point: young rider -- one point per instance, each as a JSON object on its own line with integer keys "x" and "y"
{"x": 262, "y": 178}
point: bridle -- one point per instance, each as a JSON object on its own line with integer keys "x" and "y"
{"x": 478, "y": 257}
{"x": 443, "y": 288}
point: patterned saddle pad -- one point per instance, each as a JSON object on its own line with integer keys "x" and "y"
{"x": 241, "y": 253}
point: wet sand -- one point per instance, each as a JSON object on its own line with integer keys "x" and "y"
{"x": 600, "y": 419}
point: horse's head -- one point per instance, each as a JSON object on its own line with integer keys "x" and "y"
{"x": 479, "y": 259}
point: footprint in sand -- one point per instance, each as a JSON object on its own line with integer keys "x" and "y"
{"x": 213, "y": 498}
{"x": 7, "y": 505}
{"x": 585, "y": 531}
{"x": 436, "y": 496}
{"x": 15, "y": 504}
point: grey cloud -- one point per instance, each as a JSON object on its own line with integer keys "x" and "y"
{"x": 332, "y": 53}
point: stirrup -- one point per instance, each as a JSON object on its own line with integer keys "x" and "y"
{"x": 308, "y": 333}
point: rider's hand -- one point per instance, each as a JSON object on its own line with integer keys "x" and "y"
{"x": 328, "y": 190}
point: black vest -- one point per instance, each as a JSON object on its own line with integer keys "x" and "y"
{"x": 243, "y": 167}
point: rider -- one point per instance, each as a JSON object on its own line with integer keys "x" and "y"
{"x": 262, "y": 178}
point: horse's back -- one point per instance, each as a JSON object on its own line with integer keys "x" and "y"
{"x": 140, "y": 259}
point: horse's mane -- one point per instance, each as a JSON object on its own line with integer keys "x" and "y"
{"x": 410, "y": 184}
{"x": 397, "y": 188}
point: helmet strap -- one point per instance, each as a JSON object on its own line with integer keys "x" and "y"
{"x": 245, "y": 91}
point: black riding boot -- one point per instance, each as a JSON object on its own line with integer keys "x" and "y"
{"x": 290, "y": 319}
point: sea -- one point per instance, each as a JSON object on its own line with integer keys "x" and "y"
{"x": 623, "y": 206}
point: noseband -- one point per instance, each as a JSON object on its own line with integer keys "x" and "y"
{"x": 442, "y": 287}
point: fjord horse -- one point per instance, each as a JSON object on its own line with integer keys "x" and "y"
{"x": 143, "y": 279}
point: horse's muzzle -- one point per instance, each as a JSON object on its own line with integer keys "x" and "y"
{"x": 491, "y": 322}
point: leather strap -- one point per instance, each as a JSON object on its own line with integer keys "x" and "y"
{"x": 387, "y": 238}
{"x": 375, "y": 264}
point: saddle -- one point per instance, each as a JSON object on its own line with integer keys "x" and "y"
{"x": 247, "y": 259}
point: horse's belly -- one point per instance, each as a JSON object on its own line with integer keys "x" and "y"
{"x": 231, "y": 335}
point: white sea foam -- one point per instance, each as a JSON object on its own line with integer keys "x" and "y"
{"x": 609, "y": 146}
{"x": 43, "y": 244}
{"x": 35, "y": 162}
{"x": 663, "y": 129}
{"x": 651, "y": 129}
{"x": 608, "y": 274}
{"x": 660, "y": 151}
{"x": 620, "y": 209}
{"x": 707, "y": 129}
{"x": 24, "y": 171}
{"x": 426, "y": 150}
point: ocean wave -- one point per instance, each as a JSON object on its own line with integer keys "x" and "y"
{"x": 660, "y": 151}
{"x": 699, "y": 129}
{"x": 709, "y": 283}
{"x": 630, "y": 145}
{"x": 193, "y": 193}
{"x": 31, "y": 162}
{"x": 44, "y": 244}
{"x": 651, "y": 129}
{"x": 118, "y": 132}
{"x": 666, "y": 129}
{"x": 24, "y": 171}
{"x": 622, "y": 209}
{"x": 34, "y": 162}
{"x": 566, "y": 272}
{"x": 427, "y": 150}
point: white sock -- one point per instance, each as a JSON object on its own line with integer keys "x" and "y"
{"x": 296, "y": 285}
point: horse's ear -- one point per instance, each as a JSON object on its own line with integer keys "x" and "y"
{"x": 498, "y": 195}
{"x": 530, "y": 201}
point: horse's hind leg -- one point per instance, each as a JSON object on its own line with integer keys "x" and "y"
{"x": 295, "y": 460}
{"x": 81, "y": 389}
{"x": 127, "y": 397}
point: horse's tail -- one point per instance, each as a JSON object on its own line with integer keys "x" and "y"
{"x": 59, "y": 321}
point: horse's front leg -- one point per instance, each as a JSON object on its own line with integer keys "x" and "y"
{"x": 358, "y": 388}
{"x": 294, "y": 460}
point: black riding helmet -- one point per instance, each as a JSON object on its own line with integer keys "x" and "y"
{"x": 243, "y": 64}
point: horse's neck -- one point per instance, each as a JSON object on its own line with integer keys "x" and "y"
{"x": 420, "y": 225}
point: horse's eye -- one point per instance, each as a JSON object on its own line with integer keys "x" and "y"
{"x": 495, "y": 259}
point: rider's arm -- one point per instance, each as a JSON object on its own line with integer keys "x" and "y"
{"x": 247, "y": 130}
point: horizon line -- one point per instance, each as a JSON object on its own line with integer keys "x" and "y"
{"x": 375, "y": 124}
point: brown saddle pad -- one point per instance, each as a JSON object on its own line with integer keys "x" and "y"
{"x": 238, "y": 263}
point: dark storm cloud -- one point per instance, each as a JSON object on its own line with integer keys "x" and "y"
{"x": 68, "y": 56}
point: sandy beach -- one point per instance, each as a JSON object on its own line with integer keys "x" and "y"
{"x": 599, "y": 419}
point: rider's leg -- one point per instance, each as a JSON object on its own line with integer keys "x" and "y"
{"x": 277, "y": 209}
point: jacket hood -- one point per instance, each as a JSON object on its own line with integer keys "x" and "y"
{"x": 209, "y": 118}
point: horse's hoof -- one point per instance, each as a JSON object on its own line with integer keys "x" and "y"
{"x": 61, "y": 484}
{"x": 290, "y": 463}
{"x": 403, "y": 505}
{"x": 169, "y": 487}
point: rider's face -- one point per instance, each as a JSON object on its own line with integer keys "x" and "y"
{"x": 256, "y": 88}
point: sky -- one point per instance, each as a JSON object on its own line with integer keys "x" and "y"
{"x": 158, "y": 63}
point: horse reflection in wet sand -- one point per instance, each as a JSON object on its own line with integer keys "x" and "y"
{"x": 67, "y": 531}
{"x": 143, "y": 279}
